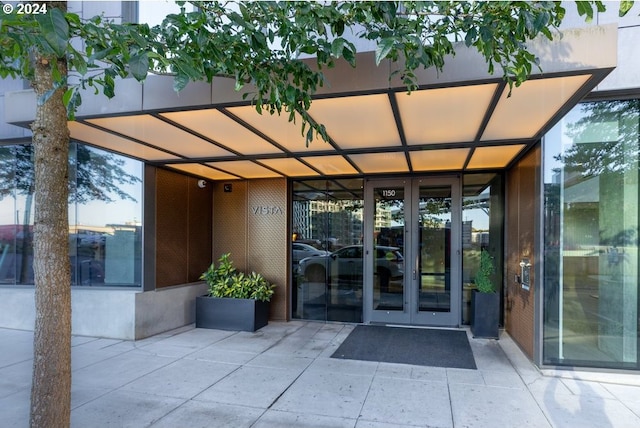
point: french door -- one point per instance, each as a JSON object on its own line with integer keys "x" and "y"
{"x": 412, "y": 245}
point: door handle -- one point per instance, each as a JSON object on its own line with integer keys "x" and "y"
{"x": 414, "y": 274}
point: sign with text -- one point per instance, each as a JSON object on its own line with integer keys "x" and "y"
{"x": 267, "y": 210}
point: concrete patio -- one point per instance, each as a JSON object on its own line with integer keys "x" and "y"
{"x": 283, "y": 376}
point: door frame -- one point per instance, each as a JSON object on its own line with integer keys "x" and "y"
{"x": 410, "y": 315}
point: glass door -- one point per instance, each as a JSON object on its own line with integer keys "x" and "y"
{"x": 412, "y": 259}
{"x": 437, "y": 252}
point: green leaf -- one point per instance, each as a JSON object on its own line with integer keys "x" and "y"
{"x": 383, "y": 49}
{"x": 67, "y": 96}
{"x": 139, "y": 66}
{"x": 338, "y": 27}
{"x": 109, "y": 86}
{"x": 349, "y": 55}
{"x": 470, "y": 37}
{"x": 584, "y": 8}
{"x": 180, "y": 81}
{"x": 337, "y": 46}
{"x": 78, "y": 62}
{"x": 99, "y": 55}
{"x": 55, "y": 30}
{"x": 625, "y": 6}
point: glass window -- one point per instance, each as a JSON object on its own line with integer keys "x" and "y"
{"x": 327, "y": 263}
{"x": 16, "y": 215}
{"x": 482, "y": 230}
{"x": 107, "y": 234}
{"x": 591, "y": 236}
{"x": 105, "y": 211}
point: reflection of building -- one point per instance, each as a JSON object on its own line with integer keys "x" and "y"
{"x": 339, "y": 222}
{"x": 467, "y": 227}
{"x": 481, "y": 239}
{"x": 562, "y": 194}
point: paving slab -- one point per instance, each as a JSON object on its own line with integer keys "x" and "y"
{"x": 334, "y": 394}
{"x": 123, "y": 409}
{"x": 407, "y": 402}
{"x": 201, "y": 414}
{"x": 251, "y": 386}
{"x": 487, "y": 406}
{"x": 283, "y": 375}
{"x": 181, "y": 379}
{"x": 280, "y": 419}
{"x": 569, "y": 411}
{"x": 119, "y": 370}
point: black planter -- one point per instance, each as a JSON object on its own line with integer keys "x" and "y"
{"x": 485, "y": 314}
{"x": 231, "y": 314}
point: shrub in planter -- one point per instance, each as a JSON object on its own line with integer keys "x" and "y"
{"x": 236, "y": 301}
{"x": 485, "y": 301}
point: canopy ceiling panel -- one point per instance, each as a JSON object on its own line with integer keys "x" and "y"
{"x": 445, "y": 115}
{"x": 203, "y": 171}
{"x": 289, "y": 166}
{"x": 493, "y": 156}
{"x": 358, "y": 122}
{"x": 214, "y": 125}
{"x": 372, "y": 163}
{"x": 278, "y": 128}
{"x": 110, "y": 141}
{"x": 245, "y": 169}
{"x": 529, "y": 107}
{"x": 439, "y": 160}
{"x": 331, "y": 165}
{"x": 161, "y": 134}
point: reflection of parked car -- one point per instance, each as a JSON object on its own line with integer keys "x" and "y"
{"x": 301, "y": 251}
{"x": 346, "y": 263}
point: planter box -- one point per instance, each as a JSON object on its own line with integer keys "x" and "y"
{"x": 231, "y": 314}
{"x": 485, "y": 314}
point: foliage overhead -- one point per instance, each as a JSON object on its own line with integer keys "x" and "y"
{"x": 261, "y": 43}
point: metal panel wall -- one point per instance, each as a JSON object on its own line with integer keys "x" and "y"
{"x": 183, "y": 224}
{"x": 230, "y": 222}
{"x": 250, "y": 222}
{"x": 521, "y": 208}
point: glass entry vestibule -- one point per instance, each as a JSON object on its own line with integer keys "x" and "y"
{"x": 412, "y": 251}
{"x": 392, "y": 250}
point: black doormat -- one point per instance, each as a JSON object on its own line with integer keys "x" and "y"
{"x": 417, "y": 346}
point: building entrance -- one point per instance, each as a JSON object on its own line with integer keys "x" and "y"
{"x": 412, "y": 251}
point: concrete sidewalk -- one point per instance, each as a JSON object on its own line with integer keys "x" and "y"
{"x": 283, "y": 376}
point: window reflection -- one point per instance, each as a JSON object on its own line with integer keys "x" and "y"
{"x": 482, "y": 229}
{"x": 16, "y": 215}
{"x": 591, "y": 236}
{"x": 105, "y": 208}
{"x": 388, "y": 234}
{"x": 327, "y": 250}
{"x": 107, "y": 232}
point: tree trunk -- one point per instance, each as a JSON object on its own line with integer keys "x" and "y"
{"x": 51, "y": 388}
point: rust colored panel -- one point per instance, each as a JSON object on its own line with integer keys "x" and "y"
{"x": 200, "y": 228}
{"x": 521, "y": 206}
{"x": 171, "y": 228}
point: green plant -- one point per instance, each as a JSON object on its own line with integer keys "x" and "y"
{"x": 484, "y": 281}
{"x": 224, "y": 280}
